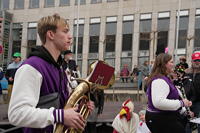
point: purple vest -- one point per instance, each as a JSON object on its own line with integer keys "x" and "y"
{"x": 173, "y": 94}
{"x": 54, "y": 80}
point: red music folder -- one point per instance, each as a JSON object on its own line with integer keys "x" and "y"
{"x": 101, "y": 74}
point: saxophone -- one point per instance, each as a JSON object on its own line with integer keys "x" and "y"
{"x": 80, "y": 96}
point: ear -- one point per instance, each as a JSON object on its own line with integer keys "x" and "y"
{"x": 50, "y": 34}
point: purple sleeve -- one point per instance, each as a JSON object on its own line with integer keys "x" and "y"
{"x": 58, "y": 115}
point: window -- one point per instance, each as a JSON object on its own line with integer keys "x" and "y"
{"x": 110, "y": 62}
{"x": 80, "y": 38}
{"x": 34, "y": 3}
{"x": 17, "y": 37}
{"x": 94, "y": 38}
{"x": 162, "y": 38}
{"x": 49, "y": 3}
{"x": 96, "y": 1}
{"x": 110, "y": 36}
{"x": 82, "y": 2}
{"x": 19, "y": 4}
{"x": 197, "y": 32}
{"x": 110, "y": 43}
{"x": 111, "y": 0}
{"x": 64, "y": 2}
{"x": 144, "y": 41}
{"x": 5, "y": 4}
{"x": 32, "y": 37}
{"x": 127, "y": 36}
{"x": 162, "y": 42}
{"x": 183, "y": 26}
{"x": 145, "y": 29}
{"x": 127, "y": 61}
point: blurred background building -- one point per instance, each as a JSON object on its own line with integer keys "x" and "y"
{"x": 117, "y": 31}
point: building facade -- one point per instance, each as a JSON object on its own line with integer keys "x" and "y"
{"x": 117, "y": 31}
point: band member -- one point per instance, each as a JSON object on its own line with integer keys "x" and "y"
{"x": 164, "y": 99}
{"x": 192, "y": 84}
{"x": 69, "y": 65}
{"x": 41, "y": 76}
{"x": 126, "y": 121}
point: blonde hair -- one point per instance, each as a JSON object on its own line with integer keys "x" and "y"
{"x": 50, "y": 23}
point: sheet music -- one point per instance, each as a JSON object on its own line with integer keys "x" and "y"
{"x": 195, "y": 120}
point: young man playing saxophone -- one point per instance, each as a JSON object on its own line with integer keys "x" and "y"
{"x": 41, "y": 75}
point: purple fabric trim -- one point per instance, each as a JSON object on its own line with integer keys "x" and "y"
{"x": 58, "y": 116}
{"x": 62, "y": 115}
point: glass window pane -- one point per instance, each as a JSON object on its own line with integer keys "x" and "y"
{"x": 49, "y": 3}
{"x": 183, "y": 24}
{"x": 110, "y": 62}
{"x": 34, "y": 3}
{"x": 82, "y": 2}
{"x": 182, "y": 38}
{"x": 19, "y": 4}
{"x": 6, "y": 4}
{"x": 141, "y": 60}
{"x": 64, "y": 2}
{"x": 197, "y": 22}
{"x": 127, "y": 27}
{"x": 31, "y": 44}
{"x": 94, "y": 29}
{"x": 96, "y": 1}
{"x": 144, "y": 41}
{"x": 197, "y": 32}
{"x": 163, "y": 24}
{"x": 127, "y": 42}
{"x": 17, "y": 37}
{"x": 16, "y": 46}
{"x": 111, "y": 0}
{"x": 162, "y": 42}
{"x": 32, "y": 34}
{"x": 94, "y": 44}
{"x": 111, "y": 28}
{"x": 127, "y": 61}
{"x": 81, "y": 30}
{"x": 145, "y": 26}
{"x": 197, "y": 38}
{"x": 110, "y": 43}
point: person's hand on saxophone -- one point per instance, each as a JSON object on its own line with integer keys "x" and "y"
{"x": 74, "y": 119}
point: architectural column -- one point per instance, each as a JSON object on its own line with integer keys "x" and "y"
{"x": 118, "y": 44}
{"x": 172, "y": 32}
{"x": 26, "y": 4}
{"x": 190, "y": 36}
{"x": 12, "y": 5}
{"x": 85, "y": 48}
{"x": 153, "y": 43}
{"x": 135, "y": 47}
{"x": 57, "y": 3}
{"x": 102, "y": 38}
{"x": 24, "y": 40}
{"x": 41, "y": 4}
